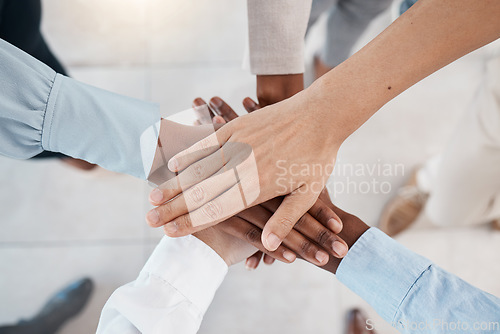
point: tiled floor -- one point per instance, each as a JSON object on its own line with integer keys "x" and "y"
{"x": 60, "y": 224}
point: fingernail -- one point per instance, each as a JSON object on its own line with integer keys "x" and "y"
{"x": 289, "y": 256}
{"x": 218, "y": 120}
{"x": 216, "y": 102}
{"x": 156, "y": 196}
{"x": 153, "y": 217}
{"x": 170, "y": 228}
{"x": 248, "y": 103}
{"x": 273, "y": 242}
{"x": 339, "y": 248}
{"x": 173, "y": 165}
{"x": 251, "y": 264}
{"x": 334, "y": 224}
{"x": 198, "y": 101}
{"x": 321, "y": 257}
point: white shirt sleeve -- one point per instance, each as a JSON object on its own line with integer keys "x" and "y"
{"x": 171, "y": 294}
{"x": 276, "y": 32}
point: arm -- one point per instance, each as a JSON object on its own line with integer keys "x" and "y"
{"x": 171, "y": 294}
{"x": 428, "y": 36}
{"x": 41, "y": 110}
{"x": 178, "y": 282}
{"x": 276, "y": 32}
{"x": 406, "y": 289}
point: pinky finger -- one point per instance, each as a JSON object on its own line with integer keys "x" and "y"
{"x": 268, "y": 259}
{"x": 253, "y": 261}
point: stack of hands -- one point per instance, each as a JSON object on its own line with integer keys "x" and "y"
{"x": 194, "y": 195}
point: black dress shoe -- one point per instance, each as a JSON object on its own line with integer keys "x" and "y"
{"x": 60, "y": 308}
{"x": 63, "y": 306}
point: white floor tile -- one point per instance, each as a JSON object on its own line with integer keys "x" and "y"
{"x": 132, "y": 32}
{"x": 94, "y": 32}
{"x": 175, "y": 89}
{"x": 48, "y": 201}
{"x": 201, "y": 32}
{"x": 30, "y": 275}
{"x": 298, "y": 298}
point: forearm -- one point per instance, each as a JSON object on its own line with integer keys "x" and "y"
{"x": 172, "y": 292}
{"x": 353, "y": 229}
{"x": 42, "y": 110}
{"x": 430, "y": 35}
{"x": 275, "y": 88}
{"x": 409, "y": 291}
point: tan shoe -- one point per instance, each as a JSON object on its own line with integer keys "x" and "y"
{"x": 496, "y": 224}
{"x": 402, "y": 211}
{"x": 357, "y": 323}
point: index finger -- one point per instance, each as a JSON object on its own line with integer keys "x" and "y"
{"x": 223, "y": 109}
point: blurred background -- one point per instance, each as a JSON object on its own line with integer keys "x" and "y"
{"x": 60, "y": 224}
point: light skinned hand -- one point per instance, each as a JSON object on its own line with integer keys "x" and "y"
{"x": 296, "y": 141}
{"x": 321, "y": 236}
{"x": 311, "y": 240}
{"x": 299, "y": 170}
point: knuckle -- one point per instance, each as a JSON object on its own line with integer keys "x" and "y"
{"x": 166, "y": 210}
{"x": 252, "y": 235}
{"x": 197, "y": 170}
{"x": 212, "y": 210}
{"x": 197, "y": 194}
{"x": 205, "y": 144}
{"x": 318, "y": 212}
{"x": 285, "y": 223}
{"x": 306, "y": 248}
{"x": 323, "y": 236}
{"x": 301, "y": 222}
{"x": 182, "y": 224}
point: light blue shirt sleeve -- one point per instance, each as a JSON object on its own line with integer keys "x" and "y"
{"x": 412, "y": 293}
{"x": 41, "y": 110}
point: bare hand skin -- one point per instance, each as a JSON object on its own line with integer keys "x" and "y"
{"x": 275, "y": 88}
{"x": 306, "y": 225}
{"x": 309, "y": 227}
{"x": 308, "y": 129}
{"x": 233, "y": 249}
{"x": 300, "y": 168}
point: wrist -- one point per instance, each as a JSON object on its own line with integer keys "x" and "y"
{"x": 209, "y": 238}
{"x": 342, "y": 101}
{"x": 275, "y": 88}
{"x": 353, "y": 229}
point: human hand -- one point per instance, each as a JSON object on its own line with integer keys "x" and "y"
{"x": 172, "y": 139}
{"x": 310, "y": 147}
{"x": 310, "y": 227}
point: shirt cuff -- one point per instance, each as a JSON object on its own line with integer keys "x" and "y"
{"x": 100, "y": 127}
{"x": 190, "y": 266}
{"x": 381, "y": 271}
{"x": 276, "y": 31}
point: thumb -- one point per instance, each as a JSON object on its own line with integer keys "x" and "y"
{"x": 293, "y": 207}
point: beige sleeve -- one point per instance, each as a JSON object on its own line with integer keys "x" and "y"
{"x": 276, "y": 30}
